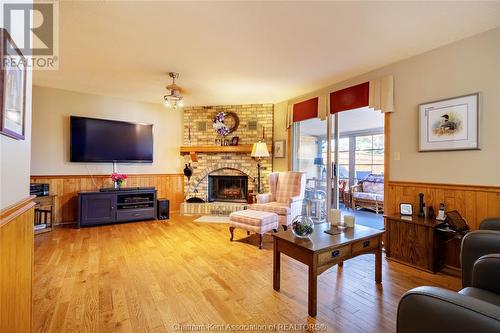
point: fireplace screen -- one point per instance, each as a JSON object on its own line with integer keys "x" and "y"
{"x": 227, "y": 188}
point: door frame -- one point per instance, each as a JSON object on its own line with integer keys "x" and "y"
{"x": 387, "y": 158}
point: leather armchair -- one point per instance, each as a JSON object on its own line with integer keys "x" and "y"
{"x": 475, "y": 308}
{"x": 492, "y": 223}
{"x": 286, "y": 195}
{"x": 475, "y": 245}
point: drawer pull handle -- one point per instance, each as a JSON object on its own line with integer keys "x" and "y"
{"x": 137, "y": 214}
{"x": 366, "y": 243}
{"x": 335, "y": 253}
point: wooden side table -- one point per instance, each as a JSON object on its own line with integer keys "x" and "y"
{"x": 44, "y": 213}
{"x": 321, "y": 251}
{"x": 413, "y": 241}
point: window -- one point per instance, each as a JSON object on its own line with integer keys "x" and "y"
{"x": 369, "y": 156}
{"x": 367, "y": 152}
{"x": 344, "y": 159}
{"x": 344, "y": 152}
{"x": 309, "y": 138}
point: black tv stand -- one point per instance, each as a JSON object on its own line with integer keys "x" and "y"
{"x": 116, "y": 205}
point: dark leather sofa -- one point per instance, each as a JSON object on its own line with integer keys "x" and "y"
{"x": 475, "y": 308}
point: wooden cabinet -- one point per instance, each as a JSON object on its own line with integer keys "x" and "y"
{"x": 97, "y": 208}
{"x": 413, "y": 241}
{"x": 123, "y": 205}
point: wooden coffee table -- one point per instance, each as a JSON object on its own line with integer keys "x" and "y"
{"x": 322, "y": 251}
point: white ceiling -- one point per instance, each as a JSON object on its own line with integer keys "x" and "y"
{"x": 246, "y": 52}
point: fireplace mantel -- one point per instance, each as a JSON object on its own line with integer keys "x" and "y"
{"x": 240, "y": 149}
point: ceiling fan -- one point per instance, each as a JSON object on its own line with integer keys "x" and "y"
{"x": 174, "y": 98}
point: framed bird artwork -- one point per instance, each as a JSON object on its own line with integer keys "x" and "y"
{"x": 449, "y": 124}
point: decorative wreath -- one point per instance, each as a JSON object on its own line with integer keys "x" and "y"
{"x": 226, "y": 123}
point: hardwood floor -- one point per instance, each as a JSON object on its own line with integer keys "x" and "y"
{"x": 154, "y": 276}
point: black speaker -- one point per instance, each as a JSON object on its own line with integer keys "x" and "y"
{"x": 163, "y": 208}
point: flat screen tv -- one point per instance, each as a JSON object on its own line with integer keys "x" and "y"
{"x": 102, "y": 140}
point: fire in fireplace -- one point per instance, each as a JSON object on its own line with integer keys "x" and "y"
{"x": 227, "y": 188}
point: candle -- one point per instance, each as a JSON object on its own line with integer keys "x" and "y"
{"x": 334, "y": 216}
{"x": 349, "y": 221}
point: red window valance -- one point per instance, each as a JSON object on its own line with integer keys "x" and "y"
{"x": 305, "y": 110}
{"x": 350, "y": 98}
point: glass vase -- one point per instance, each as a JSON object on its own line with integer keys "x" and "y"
{"x": 302, "y": 226}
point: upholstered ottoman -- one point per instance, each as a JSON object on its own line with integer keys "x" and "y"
{"x": 253, "y": 221}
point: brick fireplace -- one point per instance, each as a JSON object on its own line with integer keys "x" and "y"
{"x": 236, "y": 168}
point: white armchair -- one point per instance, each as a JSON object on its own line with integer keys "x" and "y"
{"x": 285, "y": 198}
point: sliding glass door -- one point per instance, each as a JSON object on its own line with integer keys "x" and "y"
{"x": 336, "y": 154}
{"x": 333, "y": 200}
{"x": 310, "y": 156}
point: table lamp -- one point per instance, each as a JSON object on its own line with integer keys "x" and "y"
{"x": 259, "y": 151}
{"x": 320, "y": 163}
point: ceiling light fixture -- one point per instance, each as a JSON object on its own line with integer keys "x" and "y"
{"x": 174, "y": 99}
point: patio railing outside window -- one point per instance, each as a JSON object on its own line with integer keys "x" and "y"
{"x": 359, "y": 155}
{"x": 369, "y": 156}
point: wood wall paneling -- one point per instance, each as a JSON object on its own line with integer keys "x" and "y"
{"x": 66, "y": 188}
{"x": 473, "y": 202}
{"x": 16, "y": 267}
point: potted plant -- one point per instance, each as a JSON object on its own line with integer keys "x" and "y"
{"x": 118, "y": 179}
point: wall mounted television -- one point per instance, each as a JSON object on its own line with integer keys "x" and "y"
{"x": 103, "y": 140}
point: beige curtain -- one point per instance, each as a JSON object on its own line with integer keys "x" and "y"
{"x": 323, "y": 106}
{"x": 289, "y": 116}
{"x": 381, "y": 94}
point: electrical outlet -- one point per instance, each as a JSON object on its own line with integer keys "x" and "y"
{"x": 397, "y": 156}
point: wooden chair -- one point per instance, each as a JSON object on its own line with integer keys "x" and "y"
{"x": 369, "y": 193}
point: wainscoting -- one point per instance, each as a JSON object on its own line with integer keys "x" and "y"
{"x": 170, "y": 186}
{"x": 473, "y": 202}
{"x": 16, "y": 266}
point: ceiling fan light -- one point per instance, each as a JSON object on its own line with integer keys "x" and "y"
{"x": 174, "y": 98}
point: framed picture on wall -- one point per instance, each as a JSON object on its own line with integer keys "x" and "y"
{"x": 449, "y": 124}
{"x": 279, "y": 148}
{"x": 12, "y": 88}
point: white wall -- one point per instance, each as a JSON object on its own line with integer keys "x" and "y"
{"x": 15, "y": 155}
{"x": 52, "y": 109}
{"x": 464, "y": 67}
